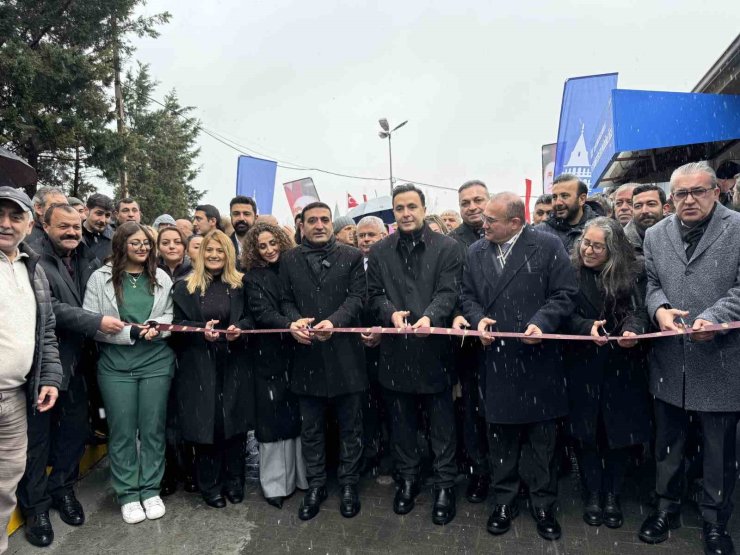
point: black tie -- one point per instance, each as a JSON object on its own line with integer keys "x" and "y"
{"x": 67, "y": 261}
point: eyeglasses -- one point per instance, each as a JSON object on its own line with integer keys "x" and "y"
{"x": 598, "y": 248}
{"x": 696, "y": 193}
{"x": 139, "y": 244}
{"x": 490, "y": 221}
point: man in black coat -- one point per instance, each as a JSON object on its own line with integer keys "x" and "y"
{"x": 413, "y": 281}
{"x": 520, "y": 280}
{"x": 324, "y": 287}
{"x": 96, "y": 230}
{"x": 42, "y": 200}
{"x": 570, "y": 210}
{"x": 472, "y": 198}
{"x": 243, "y": 213}
{"x": 57, "y": 437}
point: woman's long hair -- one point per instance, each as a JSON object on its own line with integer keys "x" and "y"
{"x": 201, "y": 278}
{"x": 251, "y": 256}
{"x": 119, "y": 257}
{"x": 617, "y": 277}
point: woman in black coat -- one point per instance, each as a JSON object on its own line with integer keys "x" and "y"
{"x": 607, "y": 385}
{"x": 214, "y": 379}
{"x": 278, "y": 425}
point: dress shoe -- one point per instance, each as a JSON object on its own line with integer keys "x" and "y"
{"x": 405, "y": 496}
{"x": 190, "y": 485}
{"x": 168, "y": 486}
{"x": 38, "y": 529}
{"x": 477, "y": 491}
{"x": 443, "y": 510}
{"x": 613, "y": 517}
{"x": 70, "y": 510}
{"x": 216, "y": 501}
{"x": 349, "y": 505}
{"x": 716, "y": 540}
{"x": 276, "y": 502}
{"x": 311, "y": 503}
{"x": 593, "y": 514}
{"x": 656, "y": 527}
{"x": 234, "y": 493}
{"x": 500, "y": 520}
{"x": 547, "y": 525}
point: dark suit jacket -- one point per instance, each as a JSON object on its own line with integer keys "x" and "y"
{"x": 521, "y": 383}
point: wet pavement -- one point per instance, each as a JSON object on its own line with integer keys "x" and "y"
{"x": 255, "y": 527}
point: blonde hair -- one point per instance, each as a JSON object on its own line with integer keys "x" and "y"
{"x": 200, "y": 278}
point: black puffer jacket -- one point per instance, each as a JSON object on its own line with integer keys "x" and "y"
{"x": 568, "y": 233}
{"x": 46, "y": 368}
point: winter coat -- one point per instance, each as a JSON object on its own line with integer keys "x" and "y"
{"x": 277, "y": 414}
{"x": 567, "y": 233}
{"x": 198, "y": 370}
{"x": 101, "y": 244}
{"x": 336, "y": 366}
{"x": 521, "y": 383}
{"x": 608, "y": 379}
{"x": 427, "y": 286}
{"x": 74, "y": 324}
{"x": 701, "y": 376}
{"x": 46, "y": 369}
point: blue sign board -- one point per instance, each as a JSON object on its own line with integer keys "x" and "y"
{"x": 255, "y": 178}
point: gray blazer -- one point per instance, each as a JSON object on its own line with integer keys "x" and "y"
{"x": 100, "y": 298}
{"x": 703, "y": 376}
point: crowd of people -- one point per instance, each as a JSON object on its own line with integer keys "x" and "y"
{"x": 85, "y": 285}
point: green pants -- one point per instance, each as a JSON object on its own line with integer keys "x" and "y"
{"x": 135, "y": 404}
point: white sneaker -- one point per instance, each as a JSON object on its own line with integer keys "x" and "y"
{"x": 154, "y": 508}
{"x": 133, "y": 513}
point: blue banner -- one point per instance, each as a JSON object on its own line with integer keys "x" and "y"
{"x": 256, "y": 178}
{"x": 585, "y": 133}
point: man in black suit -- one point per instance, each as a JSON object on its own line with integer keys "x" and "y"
{"x": 413, "y": 279}
{"x": 520, "y": 280}
{"x": 57, "y": 438}
{"x": 243, "y": 213}
{"x": 324, "y": 287}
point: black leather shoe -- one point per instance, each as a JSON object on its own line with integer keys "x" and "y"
{"x": 70, "y": 510}
{"x": 477, "y": 491}
{"x": 276, "y": 502}
{"x": 168, "y": 486}
{"x": 405, "y": 496}
{"x": 613, "y": 517}
{"x": 311, "y": 503}
{"x": 38, "y": 530}
{"x": 656, "y": 527}
{"x": 500, "y": 520}
{"x": 216, "y": 501}
{"x": 547, "y": 525}
{"x": 593, "y": 514}
{"x": 443, "y": 510}
{"x": 190, "y": 485}
{"x": 349, "y": 505}
{"x": 716, "y": 540}
{"x": 234, "y": 493}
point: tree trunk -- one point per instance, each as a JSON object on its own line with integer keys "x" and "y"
{"x": 76, "y": 180}
{"x": 118, "y": 91}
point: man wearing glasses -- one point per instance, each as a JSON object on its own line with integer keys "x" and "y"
{"x": 693, "y": 261}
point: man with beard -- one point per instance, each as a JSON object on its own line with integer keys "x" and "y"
{"x": 623, "y": 203}
{"x": 243, "y": 212}
{"x": 472, "y": 199}
{"x": 413, "y": 278}
{"x": 96, "y": 231}
{"x": 569, "y": 210}
{"x": 542, "y": 209}
{"x": 345, "y": 230}
{"x": 57, "y": 437}
{"x": 648, "y": 206}
{"x": 727, "y": 175}
{"x": 323, "y": 288}
{"x": 42, "y": 200}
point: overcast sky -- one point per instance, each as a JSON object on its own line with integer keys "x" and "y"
{"x": 480, "y": 82}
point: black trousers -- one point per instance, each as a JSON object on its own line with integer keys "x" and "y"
{"x": 404, "y": 422}
{"x": 505, "y": 443}
{"x": 473, "y": 424}
{"x": 719, "y": 464}
{"x": 313, "y": 437}
{"x": 56, "y": 438}
{"x": 220, "y": 464}
{"x": 375, "y": 421}
{"x": 602, "y": 467}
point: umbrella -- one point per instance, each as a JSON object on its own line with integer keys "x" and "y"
{"x": 15, "y": 171}
{"x": 380, "y": 206}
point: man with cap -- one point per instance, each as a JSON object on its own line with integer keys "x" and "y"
{"x": 165, "y": 220}
{"x": 345, "y": 230}
{"x": 727, "y": 174}
{"x": 31, "y": 372}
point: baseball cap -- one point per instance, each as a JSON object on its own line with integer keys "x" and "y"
{"x": 18, "y": 196}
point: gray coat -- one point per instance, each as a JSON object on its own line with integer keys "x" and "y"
{"x": 700, "y": 376}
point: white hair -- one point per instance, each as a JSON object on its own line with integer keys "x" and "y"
{"x": 43, "y": 192}
{"x": 694, "y": 167}
{"x": 452, "y": 213}
{"x": 373, "y": 221}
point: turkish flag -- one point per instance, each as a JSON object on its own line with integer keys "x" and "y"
{"x": 351, "y": 202}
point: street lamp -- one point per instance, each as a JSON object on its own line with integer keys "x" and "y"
{"x": 386, "y": 134}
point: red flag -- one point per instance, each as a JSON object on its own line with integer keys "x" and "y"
{"x": 527, "y": 198}
{"x": 351, "y": 202}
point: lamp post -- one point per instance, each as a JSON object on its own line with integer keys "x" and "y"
{"x": 386, "y": 134}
